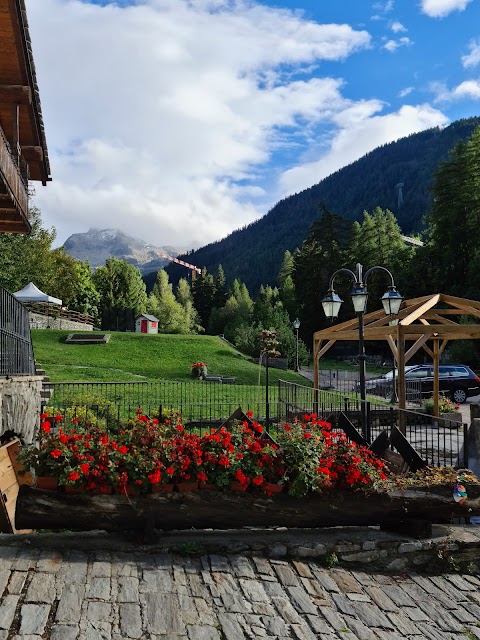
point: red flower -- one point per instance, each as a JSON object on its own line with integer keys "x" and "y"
{"x": 56, "y": 453}
{"x": 45, "y": 426}
{"x": 85, "y": 468}
{"x": 58, "y": 418}
{"x": 73, "y": 476}
{"x": 258, "y": 480}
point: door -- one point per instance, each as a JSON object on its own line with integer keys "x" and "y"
{"x": 144, "y": 326}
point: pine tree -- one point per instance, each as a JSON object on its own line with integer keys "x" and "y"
{"x": 203, "y": 290}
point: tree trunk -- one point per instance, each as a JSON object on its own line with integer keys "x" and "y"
{"x": 38, "y": 509}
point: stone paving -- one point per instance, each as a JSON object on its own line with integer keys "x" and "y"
{"x": 99, "y": 594}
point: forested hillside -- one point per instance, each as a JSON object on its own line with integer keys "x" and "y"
{"x": 254, "y": 254}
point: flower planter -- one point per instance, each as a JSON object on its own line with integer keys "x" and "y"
{"x": 163, "y": 488}
{"x": 184, "y": 487}
{"x": 74, "y": 490}
{"x": 237, "y": 487}
{"x": 47, "y": 482}
{"x": 128, "y": 490}
{"x": 208, "y": 486}
{"x": 271, "y": 487}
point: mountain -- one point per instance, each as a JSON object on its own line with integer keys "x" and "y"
{"x": 397, "y": 176}
{"x": 99, "y": 244}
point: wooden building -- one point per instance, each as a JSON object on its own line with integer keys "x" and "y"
{"x": 23, "y": 148}
{"x": 146, "y": 323}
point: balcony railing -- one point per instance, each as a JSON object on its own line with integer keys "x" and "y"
{"x": 13, "y": 190}
{"x": 16, "y": 351}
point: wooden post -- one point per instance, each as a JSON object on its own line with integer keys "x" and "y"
{"x": 401, "y": 378}
{"x": 316, "y": 345}
{"x": 436, "y": 383}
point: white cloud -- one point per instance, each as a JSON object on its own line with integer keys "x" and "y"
{"x": 158, "y": 114}
{"x": 441, "y": 8}
{"x": 469, "y": 89}
{"x": 393, "y": 45}
{"x": 384, "y": 7}
{"x": 405, "y": 92}
{"x": 472, "y": 59}
{"x": 360, "y": 130}
{"x": 397, "y": 27}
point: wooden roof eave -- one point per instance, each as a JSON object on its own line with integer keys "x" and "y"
{"x": 24, "y": 47}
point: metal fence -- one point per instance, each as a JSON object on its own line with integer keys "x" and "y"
{"x": 376, "y": 385}
{"x": 16, "y": 352}
{"x": 198, "y": 402}
{"x": 439, "y": 441}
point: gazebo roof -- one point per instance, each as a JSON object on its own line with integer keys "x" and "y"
{"x": 434, "y": 316}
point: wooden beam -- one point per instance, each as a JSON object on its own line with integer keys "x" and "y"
{"x": 401, "y": 377}
{"x": 32, "y": 154}
{"x": 460, "y": 303}
{"x": 427, "y": 350}
{"x": 436, "y": 329}
{"x": 436, "y": 382}
{"x": 325, "y": 348}
{"x": 442, "y": 312}
{"x": 393, "y": 347}
{"x": 440, "y": 319}
{"x": 442, "y": 347}
{"x": 415, "y": 347}
{"x": 419, "y": 311}
{"x": 18, "y": 93}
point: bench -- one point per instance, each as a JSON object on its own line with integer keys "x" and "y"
{"x": 221, "y": 379}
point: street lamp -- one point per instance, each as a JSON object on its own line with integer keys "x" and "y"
{"x": 296, "y": 326}
{"x": 391, "y": 301}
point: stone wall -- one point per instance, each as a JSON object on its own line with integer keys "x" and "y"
{"x": 39, "y": 321}
{"x": 20, "y": 399}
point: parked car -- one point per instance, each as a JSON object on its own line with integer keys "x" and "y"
{"x": 457, "y": 381}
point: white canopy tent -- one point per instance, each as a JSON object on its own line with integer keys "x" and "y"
{"x": 32, "y": 293}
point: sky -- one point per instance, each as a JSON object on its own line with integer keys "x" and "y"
{"x": 179, "y": 121}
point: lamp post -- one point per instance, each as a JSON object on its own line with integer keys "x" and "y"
{"x": 269, "y": 347}
{"x": 296, "y": 326}
{"x": 331, "y": 303}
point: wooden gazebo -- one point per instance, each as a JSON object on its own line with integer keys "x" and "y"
{"x": 426, "y": 323}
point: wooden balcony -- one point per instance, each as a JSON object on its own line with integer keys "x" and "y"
{"x": 13, "y": 192}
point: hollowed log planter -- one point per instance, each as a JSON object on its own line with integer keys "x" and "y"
{"x": 411, "y": 511}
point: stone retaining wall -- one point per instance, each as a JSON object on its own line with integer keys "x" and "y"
{"x": 20, "y": 399}
{"x": 39, "y": 321}
{"x": 451, "y": 548}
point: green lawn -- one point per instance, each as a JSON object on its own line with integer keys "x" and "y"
{"x": 130, "y": 357}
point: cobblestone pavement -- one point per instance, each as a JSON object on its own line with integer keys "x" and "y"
{"x": 95, "y": 595}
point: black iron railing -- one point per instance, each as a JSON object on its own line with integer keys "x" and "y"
{"x": 16, "y": 352}
{"x": 197, "y": 402}
{"x": 439, "y": 441}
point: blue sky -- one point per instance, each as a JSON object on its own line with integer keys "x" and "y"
{"x": 178, "y": 121}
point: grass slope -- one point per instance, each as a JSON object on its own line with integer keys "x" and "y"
{"x": 131, "y": 357}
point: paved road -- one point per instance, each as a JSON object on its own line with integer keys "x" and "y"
{"x": 97, "y": 595}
